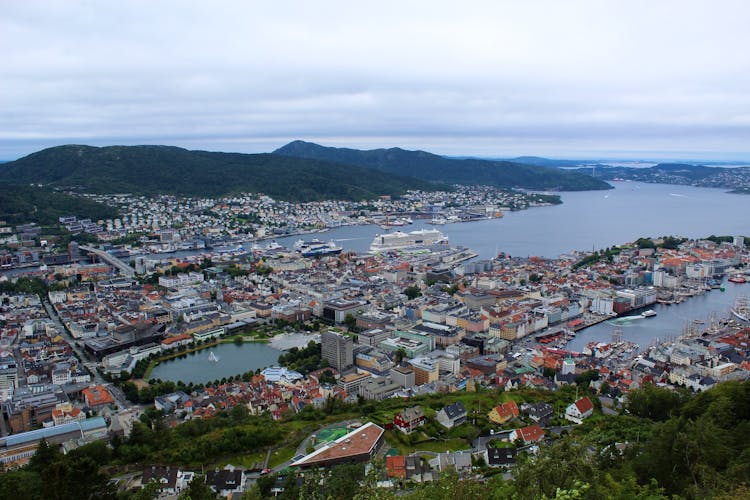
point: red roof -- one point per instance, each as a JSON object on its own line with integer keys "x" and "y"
{"x": 584, "y": 405}
{"x": 531, "y": 433}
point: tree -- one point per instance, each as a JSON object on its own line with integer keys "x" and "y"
{"x": 412, "y": 292}
{"x": 198, "y": 490}
{"x": 327, "y": 377}
{"x": 350, "y": 321}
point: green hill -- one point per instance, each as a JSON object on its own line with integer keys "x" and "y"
{"x": 431, "y": 167}
{"x": 20, "y": 204}
{"x": 164, "y": 169}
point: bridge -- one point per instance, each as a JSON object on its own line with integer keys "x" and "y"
{"x": 125, "y": 269}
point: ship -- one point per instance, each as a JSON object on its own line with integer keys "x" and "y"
{"x": 740, "y": 309}
{"x": 399, "y": 240}
{"x": 737, "y": 278}
{"x": 317, "y": 248}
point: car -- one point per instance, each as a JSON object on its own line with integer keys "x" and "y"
{"x": 264, "y": 472}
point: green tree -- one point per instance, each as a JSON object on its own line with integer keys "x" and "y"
{"x": 412, "y": 292}
{"x": 198, "y": 490}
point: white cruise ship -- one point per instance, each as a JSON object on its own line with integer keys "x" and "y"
{"x": 399, "y": 240}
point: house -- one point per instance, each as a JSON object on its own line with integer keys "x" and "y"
{"x": 458, "y": 461}
{"x": 579, "y": 410}
{"x": 538, "y": 412}
{"x": 500, "y": 457}
{"x": 401, "y": 467}
{"x": 169, "y": 403}
{"x": 504, "y": 412}
{"x": 529, "y": 434}
{"x": 226, "y": 481}
{"x": 165, "y": 476}
{"x": 409, "y": 419}
{"x": 452, "y": 415}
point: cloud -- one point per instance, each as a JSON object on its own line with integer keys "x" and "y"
{"x": 581, "y": 78}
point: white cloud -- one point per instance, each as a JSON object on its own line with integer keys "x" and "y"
{"x": 556, "y": 78}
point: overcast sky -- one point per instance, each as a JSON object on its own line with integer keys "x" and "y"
{"x": 638, "y": 79}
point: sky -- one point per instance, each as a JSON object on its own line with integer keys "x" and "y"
{"x": 563, "y": 79}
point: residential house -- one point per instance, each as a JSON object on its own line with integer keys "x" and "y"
{"x": 504, "y": 412}
{"x": 409, "y": 419}
{"x": 529, "y": 434}
{"x": 452, "y": 415}
{"x": 579, "y": 410}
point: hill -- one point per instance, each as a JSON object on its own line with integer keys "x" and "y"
{"x": 431, "y": 167}
{"x": 736, "y": 178}
{"x": 20, "y": 204}
{"x": 165, "y": 169}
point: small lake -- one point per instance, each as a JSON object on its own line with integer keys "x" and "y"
{"x": 233, "y": 359}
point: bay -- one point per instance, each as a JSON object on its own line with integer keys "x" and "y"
{"x": 585, "y": 220}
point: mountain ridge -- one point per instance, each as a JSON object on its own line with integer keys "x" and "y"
{"x": 435, "y": 168}
{"x": 154, "y": 169}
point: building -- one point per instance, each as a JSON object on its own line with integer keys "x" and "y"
{"x": 358, "y": 446}
{"x": 452, "y": 415}
{"x": 17, "y": 449}
{"x": 409, "y": 419}
{"x": 426, "y": 370}
{"x": 226, "y": 482}
{"x": 337, "y": 350}
{"x": 529, "y": 435}
{"x": 97, "y": 397}
{"x": 579, "y": 410}
{"x": 504, "y": 412}
{"x": 337, "y": 310}
{"x": 373, "y": 336}
{"x": 379, "y": 388}
{"x": 500, "y": 457}
{"x": 403, "y": 376}
{"x": 352, "y": 382}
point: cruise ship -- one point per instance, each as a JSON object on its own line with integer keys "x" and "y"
{"x": 399, "y": 240}
{"x": 316, "y": 248}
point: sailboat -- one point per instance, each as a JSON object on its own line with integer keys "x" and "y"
{"x": 212, "y": 357}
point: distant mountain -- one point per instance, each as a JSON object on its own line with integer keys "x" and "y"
{"x": 548, "y": 162}
{"x": 20, "y": 204}
{"x": 165, "y": 169}
{"x": 737, "y": 178}
{"x": 431, "y": 167}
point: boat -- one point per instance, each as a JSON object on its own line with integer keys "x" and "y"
{"x": 649, "y": 313}
{"x": 439, "y": 221}
{"x": 740, "y": 309}
{"x": 212, "y": 357}
{"x": 317, "y": 248}
{"x": 737, "y": 278}
{"x": 399, "y": 240}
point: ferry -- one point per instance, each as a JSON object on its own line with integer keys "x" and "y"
{"x": 317, "y": 248}
{"x": 399, "y": 240}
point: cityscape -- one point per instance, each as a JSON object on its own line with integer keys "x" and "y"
{"x": 198, "y": 302}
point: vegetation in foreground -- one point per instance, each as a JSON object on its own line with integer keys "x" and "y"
{"x": 667, "y": 444}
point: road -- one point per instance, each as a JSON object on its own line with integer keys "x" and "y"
{"x": 125, "y": 269}
{"x": 120, "y": 400}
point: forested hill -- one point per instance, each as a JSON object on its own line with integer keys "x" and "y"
{"x": 171, "y": 170}
{"x": 432, "y": 167}
{"x": 20, "y": 204}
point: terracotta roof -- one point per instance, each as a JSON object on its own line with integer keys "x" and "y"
{"x": 584, "y": 405}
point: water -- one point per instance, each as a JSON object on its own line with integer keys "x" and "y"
{"x": 233, "y": 360}
{"x": 670, "y": 321}
{"x": 585, "y": 220}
